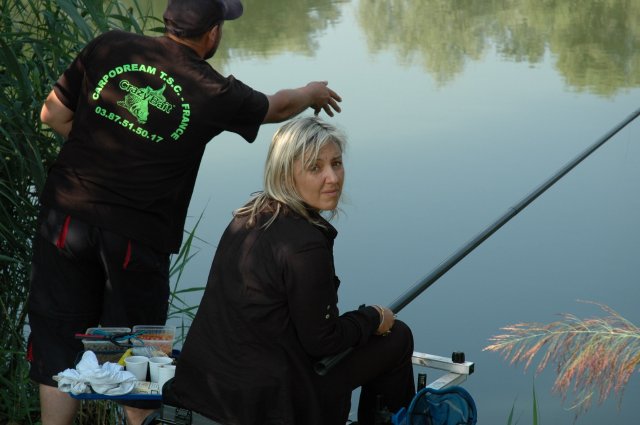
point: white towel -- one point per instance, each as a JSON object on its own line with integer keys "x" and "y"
{"x": 109, "y": 379}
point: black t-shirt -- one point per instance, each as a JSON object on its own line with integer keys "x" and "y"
{"x": 144, "y": 109}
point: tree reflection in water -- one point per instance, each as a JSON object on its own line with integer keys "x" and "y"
{"x": 595, "y": 45}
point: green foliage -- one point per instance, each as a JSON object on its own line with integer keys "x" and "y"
{"x": 100, "y": 412}
{"x": 510, "y": 418}
{"x": 38, "y": 40}
{"x": 179, "y": 307}
{"x": 535, "y": 407}
{"x": 534, "y": 410}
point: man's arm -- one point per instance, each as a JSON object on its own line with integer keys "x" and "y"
{"x": 56, "y": 115}
{"x": 288, "y": 103}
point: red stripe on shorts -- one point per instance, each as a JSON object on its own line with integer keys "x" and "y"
{"x": 127, "y": 256}
{"x": 63, "y": 233}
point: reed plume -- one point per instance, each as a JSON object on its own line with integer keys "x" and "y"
{"x": 595, "y": 355}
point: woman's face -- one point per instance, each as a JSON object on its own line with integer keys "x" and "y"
{"x": 320, "y": 184}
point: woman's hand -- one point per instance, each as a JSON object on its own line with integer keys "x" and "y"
{"x": 387, "y": 319}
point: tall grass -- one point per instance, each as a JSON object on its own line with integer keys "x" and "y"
{"x": 38, "y": 39}
{"x": 594, "y": 357}
{"x": 535, "y": 411}
{"x": 179, "y": 307}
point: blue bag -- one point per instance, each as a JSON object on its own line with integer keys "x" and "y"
{"x": 447, "y": 406}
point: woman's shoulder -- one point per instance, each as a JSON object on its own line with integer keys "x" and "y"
{"x": 268, "y": 226}
{"x": 284, "y": 227}
{"x": 298, "y": 233}
{"x": 288, "y": 221}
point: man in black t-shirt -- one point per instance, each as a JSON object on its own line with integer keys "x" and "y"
{"x": 136, "y": 113}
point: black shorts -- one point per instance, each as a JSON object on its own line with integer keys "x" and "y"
{"x": 83, "y": 276}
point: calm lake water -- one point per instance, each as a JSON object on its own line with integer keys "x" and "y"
{"x": 455, "y": 110}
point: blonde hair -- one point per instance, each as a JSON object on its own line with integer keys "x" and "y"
{"x": 298, "y": 138}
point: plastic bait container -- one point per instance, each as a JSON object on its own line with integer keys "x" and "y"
{"x": 159, "y": 337}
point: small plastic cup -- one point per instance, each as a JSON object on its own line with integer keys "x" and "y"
{"x": 138, "y": 366}
{"x": 154, "y": 366}
{"x": 165, "y": 372}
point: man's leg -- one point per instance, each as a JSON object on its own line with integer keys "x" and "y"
{"x": 136, "y": 416}
{"x": 135, "y": 272}
{"x": 57, "y": 408}
{"x": 65, "y": 298}
{"x": 52, "y": 349}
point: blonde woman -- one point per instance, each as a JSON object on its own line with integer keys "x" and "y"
{"x": 270, "y": 308}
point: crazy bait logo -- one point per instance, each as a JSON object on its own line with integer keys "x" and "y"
{"x": 137, "y": 100}
{"x": 142, "y": 100}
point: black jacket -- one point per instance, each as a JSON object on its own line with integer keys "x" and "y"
{"x": 269, "y": 311}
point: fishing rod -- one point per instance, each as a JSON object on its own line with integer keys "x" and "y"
{"x": 326, "y": 363}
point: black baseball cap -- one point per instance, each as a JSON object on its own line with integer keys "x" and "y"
{"x": 187, "y": 18}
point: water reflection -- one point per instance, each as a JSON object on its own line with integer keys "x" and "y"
{"x": 596, "y": 45}
{"x": 269, "y": 28}
{"x": 276, "y": 26}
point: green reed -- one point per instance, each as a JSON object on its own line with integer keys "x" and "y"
{"x": 535, "y": 411}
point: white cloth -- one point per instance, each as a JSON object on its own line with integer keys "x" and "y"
{"x": 109, "y": 379}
